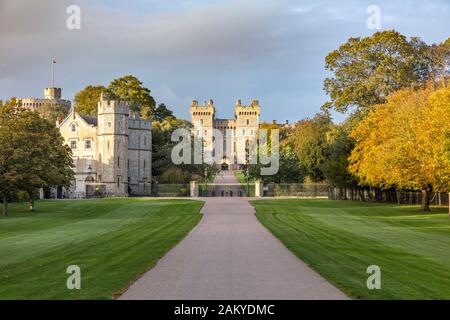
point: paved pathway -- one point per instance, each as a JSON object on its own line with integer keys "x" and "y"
{"x": 230, "y": 255}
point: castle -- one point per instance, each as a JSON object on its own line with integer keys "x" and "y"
{"x": 52, "y": 97}
{"x": 111, "y": 152}
{"x": 244, "y": 126}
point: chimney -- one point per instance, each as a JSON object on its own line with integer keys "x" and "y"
{"x": 274, "y": 121}
{"x": 287, "y": 122}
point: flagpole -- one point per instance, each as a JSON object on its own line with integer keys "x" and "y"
{"x": 53, "y": 73}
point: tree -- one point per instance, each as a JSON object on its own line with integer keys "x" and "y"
{"x": 335, "y": 166}
{"x": 7, "y": 148}
{"x": 439, "y": 55}
{"x": 366, "y": 70}
{"x": 52, "y": 113}
{"x": 130, "y": 90}
{"x": 403, "y": 143}
{"x": 310, "y": 140}
{"x": 162, "y": 112}
{"x": 86, "y": 100}
{"x": 33, "y": 154}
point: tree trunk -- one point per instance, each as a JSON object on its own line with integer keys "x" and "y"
{"x": 426, "y": 200}
{"x": 361, "y": 194}
{"x": 5, "y": 205}
{"x": 31, "y": 201}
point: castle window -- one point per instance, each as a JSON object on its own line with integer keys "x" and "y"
{"x": 118, "y": 162}
{"x": 201, "y": 122}
{"x": 88, "y": 144}
{"x": 73, "y": 145}
{"x": 145, "y": 165}
{"x": 74, "y": 127}
{"x": 248, "y": 121}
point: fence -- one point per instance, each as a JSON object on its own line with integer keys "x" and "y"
{"x": 226, "y": 190}
{"x": 387, "y": 196}
{"x": 170, "y": 190}
{"x": 301, "y": 190}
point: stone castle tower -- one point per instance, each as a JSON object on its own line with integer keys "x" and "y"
{"x": 113, "y": 145}
{"x": 244, "y": 126}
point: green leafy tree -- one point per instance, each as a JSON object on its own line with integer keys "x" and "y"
{"x": 310, "y": 141}
{"x": 439, "y": 55}
{"x": 338, "y": 148}
{"x": 131, "y": 90}
{"x": 52, "y": 113}
{"x": 162, "y": 112}
{"x": 32, "y": 153}
{"x": 86, "y": 100}
{"x": 367, "y": 70}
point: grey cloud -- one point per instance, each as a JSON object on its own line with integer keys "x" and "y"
{"x": 272, "y": 50}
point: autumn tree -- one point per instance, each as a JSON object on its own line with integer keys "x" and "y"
{"x": 86, "y": 100}
{"x": 403, "y": 143}
{"x": 366, "y": 70}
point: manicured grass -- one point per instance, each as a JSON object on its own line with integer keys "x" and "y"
{"x": 241, "y": 177}
{"x": 113, "y": 241}
{"x": 341, "y": 239}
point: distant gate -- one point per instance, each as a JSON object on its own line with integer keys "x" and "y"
{"x": 226, "y": 190}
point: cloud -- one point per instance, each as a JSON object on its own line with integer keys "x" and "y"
{"x": 272, "y": 50}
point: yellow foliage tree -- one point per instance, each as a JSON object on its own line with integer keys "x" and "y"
{"x": 404, "y": 143}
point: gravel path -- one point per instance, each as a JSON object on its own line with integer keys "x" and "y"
{"x": 230, "y": 255}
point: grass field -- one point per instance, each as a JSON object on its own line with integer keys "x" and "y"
{"x": 113, "y": 241}
{"x": 341, "y": 239}
{"x": 241, "y": 177}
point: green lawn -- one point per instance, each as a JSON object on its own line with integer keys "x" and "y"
{"x": 241, "y": 177}
{"x": 113, "y": 241}
{"x": 341, "y": 239}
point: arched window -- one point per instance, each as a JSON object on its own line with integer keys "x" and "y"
{"x": 74, "y": 127}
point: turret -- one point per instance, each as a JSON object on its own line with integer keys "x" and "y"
{"x": 113, "y": 144}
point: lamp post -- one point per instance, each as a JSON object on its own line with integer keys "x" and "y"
{"x": 247, "y": 176}
{"x": 206, "y": 181}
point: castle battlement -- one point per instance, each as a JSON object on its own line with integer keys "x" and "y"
{"x": 108, "y": 105}
{"x": 244, "y": 125}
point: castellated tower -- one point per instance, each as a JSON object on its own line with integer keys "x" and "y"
{"x": 203, "y": 120}
{"x": 237, "y": 133}
{"x": 247, "y": 125}
{"x": 113, "y": 145}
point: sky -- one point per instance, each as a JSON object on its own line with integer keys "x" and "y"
{"x": 270, "y": 50}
